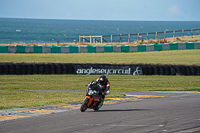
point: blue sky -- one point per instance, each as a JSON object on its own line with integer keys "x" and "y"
{"x": 146, "y": 10}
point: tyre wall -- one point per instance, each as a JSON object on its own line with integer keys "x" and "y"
{"x": 92, "y": 69}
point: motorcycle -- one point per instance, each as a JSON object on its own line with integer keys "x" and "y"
{"x": 92, "y": 99}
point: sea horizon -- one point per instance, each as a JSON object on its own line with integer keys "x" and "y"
{"x": 99, "y": 19}
{"x": 37, "y": 30}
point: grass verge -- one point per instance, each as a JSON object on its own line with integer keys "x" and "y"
{"x": 17, "y": 98}
{"x": 118, "y": 82}
{"x": 157, "y": 57}
{"x": 22, "y": 99}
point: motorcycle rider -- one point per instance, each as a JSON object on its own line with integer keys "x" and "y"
{"x": 105, "y": 86}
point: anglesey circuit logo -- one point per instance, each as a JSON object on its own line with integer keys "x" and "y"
{"x": 138, "y": 71}
{"x": 120, "y": 71}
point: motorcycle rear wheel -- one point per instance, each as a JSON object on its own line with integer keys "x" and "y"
{"x": 84, "y": 105}
{"x": 96, "y": 108}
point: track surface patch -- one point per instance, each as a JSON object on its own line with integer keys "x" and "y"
{"x": 51, "y": 109}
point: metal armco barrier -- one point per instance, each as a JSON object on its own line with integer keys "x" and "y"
{"x": 97, "y": 69}
{"x": 133, "y": 37}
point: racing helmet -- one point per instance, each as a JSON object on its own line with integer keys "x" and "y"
{"x": 102, "y": 79}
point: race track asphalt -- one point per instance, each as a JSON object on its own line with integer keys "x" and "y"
{"x": 177, "y": 112}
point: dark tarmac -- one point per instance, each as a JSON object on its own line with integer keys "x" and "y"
{"x": 177, "y": 112}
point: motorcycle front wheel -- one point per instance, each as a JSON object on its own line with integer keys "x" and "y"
{"x": 84, "y": 105}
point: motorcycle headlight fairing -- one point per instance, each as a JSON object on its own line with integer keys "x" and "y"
{"x": 90, "y": 92}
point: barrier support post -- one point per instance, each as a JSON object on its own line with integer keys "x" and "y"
{"x": 79, "y": 39}
{"x": 192, "y": 33}
{"x": 147, "y": 36}
{"x": 90, "y": 39}
{"x": 156, "y": 35}
{"x": 83, "y": 39}
{"x": 129, "y": 38}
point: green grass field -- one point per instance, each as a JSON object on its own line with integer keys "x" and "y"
{"x": 171, "y": 57}
{"x": 18, "y": 98}
{"x": 21, "y": 99}
{"x": 118, "y": 82}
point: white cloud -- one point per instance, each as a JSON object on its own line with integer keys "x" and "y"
{"x": 175, "y": 10}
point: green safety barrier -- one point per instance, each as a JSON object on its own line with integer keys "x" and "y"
{"x": 37, "y": 49}
{"x": 95, "y": 49}
{"x": 125, "y": 48}
{"x": 55, "y": 49}
{"x": 157, "y": 47}
{"x": 3, "y": 49}
{"x": 20, "y": 49}
{"x": 141, "y": 48}
{"x": 173, "y": 46}
{"x": 73, "y": 49}
{"x": 108, "y": 48}
{"x": 91, "y": 49}
{"x": 190, "y": 45}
